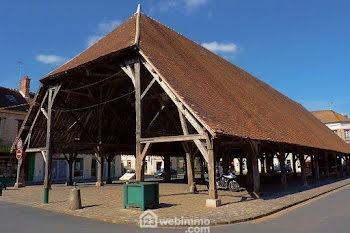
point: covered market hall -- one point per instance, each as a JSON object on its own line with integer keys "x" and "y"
{"x": 145, "y": 89}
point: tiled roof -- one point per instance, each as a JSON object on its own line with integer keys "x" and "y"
{"x": 330, "y": 116}
{"x": 11, "y": 97}
{"x": 228, "y": 99}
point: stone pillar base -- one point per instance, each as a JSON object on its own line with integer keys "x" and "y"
{"x": 19, "y": 185}
{"x": 99, "y": 184}
{"x": 213, "y": 203}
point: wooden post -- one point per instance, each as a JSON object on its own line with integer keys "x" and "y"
{"x": 49, "y": 147}
{"x": 167, "y": 168}
{"x": 268, "y": 163}
{"x": 326, "y": 165}
{"x": 341, "y": 167}
{"x": 294, "y": 161}
{"x": 347, "y": 165}
{"x": 281, "y": 158}
{"x": 303, "y": 170}
{"x": 190, "y": 171}
{"x": 189, "y": 157}
{"x": 202, "y": 163}
{"x": 335, "y": 164}
{"x": 138, "y": 113}
{"x": 100, "y": 154}
{"x": 249, "y": 175}
{"x": 100, "y": 164}
{"x": 254, "y": 149}
{"x": 213, "y": 200}
{"x": 312, "y": 163}
{"x": 240, "y": 165}
{"x": 316, "y": 169}
{"x": 262, "y": 161}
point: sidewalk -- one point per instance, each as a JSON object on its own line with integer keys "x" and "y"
{"x": 105, "y": 203}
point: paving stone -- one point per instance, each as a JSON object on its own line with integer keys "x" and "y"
{"x": 106, "y": 203}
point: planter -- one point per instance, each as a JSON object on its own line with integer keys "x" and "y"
{"x": 142, "y": 195}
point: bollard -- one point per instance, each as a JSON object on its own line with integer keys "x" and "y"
{"x": 1, "y": 187}
{"x": 46, "y": 195}
{"x": 75, "y": 199}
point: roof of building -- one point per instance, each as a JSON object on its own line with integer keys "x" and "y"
{"x": 330, "y": 116}
{"x": 11, "y": 97}
{"x": 227, "y": 99}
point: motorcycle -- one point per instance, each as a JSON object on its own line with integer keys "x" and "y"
{"x": 227, "y": 181}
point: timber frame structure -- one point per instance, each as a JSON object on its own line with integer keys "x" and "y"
{"x": 130, "y": 93}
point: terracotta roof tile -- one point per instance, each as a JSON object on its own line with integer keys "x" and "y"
{"x": 228, "y": 99}
{"x": 330, "y": 116}
{"x": 120, "y": 38}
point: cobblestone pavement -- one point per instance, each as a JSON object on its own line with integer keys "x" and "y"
{"x": 105, "y": 203}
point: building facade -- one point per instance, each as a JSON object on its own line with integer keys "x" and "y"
{"x": 84, "y": 168}
{"x": 14, "y": 105}
{"x": 338, "y": 123}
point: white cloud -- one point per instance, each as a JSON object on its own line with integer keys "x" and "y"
{"x": 169, "y": 5}
{"x": 92, "y": 40}
{"x": 221, "y": 47}
{"x": 190, "y": 4}
{"x": 103, "y": 28}
{"x": 50, "y": 59}
{"x": 106, "y": 27}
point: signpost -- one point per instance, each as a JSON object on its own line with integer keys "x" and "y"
{"x": 19, "y": 154}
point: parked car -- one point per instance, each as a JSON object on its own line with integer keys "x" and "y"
{"x": 129, "y": 170}
{"x": 161, "y": 174}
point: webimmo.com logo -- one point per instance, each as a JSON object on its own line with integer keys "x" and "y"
{"x": 149, "y": 219}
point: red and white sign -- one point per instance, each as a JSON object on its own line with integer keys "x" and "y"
{"x": 19, "y": 144}
{"x": 19, "y": 154}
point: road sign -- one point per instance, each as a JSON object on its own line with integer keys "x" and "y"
{"x": 19, "y": 144}
{"x": 19, "y": 154}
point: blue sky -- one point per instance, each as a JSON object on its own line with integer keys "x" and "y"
{"x": 299, "y": 47}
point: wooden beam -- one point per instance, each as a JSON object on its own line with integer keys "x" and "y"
{"x": 27, "y": 140}
{"x": 178, "y": 138}
{"x": 175, "y": 99}
{"x": 145, "y": 150}
{"x": 254, "y": 152}
{"x": 29, "y": 150}
{"x": 127, "y": 69}
{"x": 155, "y": 118}
{"x": 199, "y": 144}
{"x": 44, "y": 112}
{"x": 148, "y": 87}
{"x": 138, "y": 114}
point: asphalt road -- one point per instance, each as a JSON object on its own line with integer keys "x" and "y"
{"x": 329, "y": 214}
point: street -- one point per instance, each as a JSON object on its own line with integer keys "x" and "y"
{"x": 328, "y": 214}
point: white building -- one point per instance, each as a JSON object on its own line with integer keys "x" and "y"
{"x": 152, "y": 163}
{"x": 84, "y": 168}
{"x": 340, "y": 124}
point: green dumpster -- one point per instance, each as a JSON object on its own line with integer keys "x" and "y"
{"x": 143, "y": 195}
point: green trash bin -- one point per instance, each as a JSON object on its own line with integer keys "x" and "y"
{"x": 142, "y": 195}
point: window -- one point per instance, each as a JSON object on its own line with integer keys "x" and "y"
{"x": 11, "y": 98}
{"x": 347, "y": 133}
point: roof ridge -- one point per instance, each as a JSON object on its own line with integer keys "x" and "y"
{"x": 137, "y": 29}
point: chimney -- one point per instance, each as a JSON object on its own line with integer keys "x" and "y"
{"x": 25, "y": 86}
